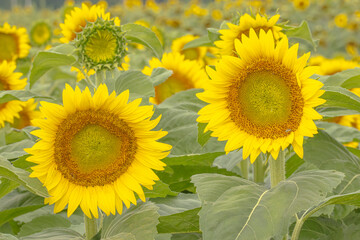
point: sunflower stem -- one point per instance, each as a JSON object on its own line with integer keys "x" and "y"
{"x": 259, "y": 170}
{"x": 277, "y": 169}
{"x": 90, "y": 227}
{"x": 244, "y": 168}
{"x": 99, "y": 77}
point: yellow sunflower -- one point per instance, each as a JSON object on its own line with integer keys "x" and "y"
{"x": 332, "y": 66}
{"x": 187, "y": 74}
{"x": 10, "y": 80}
{"x": 262, "y": 100}
{"x": 40, "y": 33}
{"x": 301, "y": 4}
{"x": 26, "y": 115}
{"x": 96, "y": 151}
{"x": 14, "y": 43}
{"x": 350, "y": 120}
{"x": 341, "y": 20}
{"x": 197, "y": 54}
{"x": 79, "y": 17}
{"x": 246, "y": 23}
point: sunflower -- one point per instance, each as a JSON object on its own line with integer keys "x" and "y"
{"x": 101, "y": 44}
{"x": 349, "y": 120}
{"x": 301, "y": 4}
{"x": 262, "y": 100}
{"x": 332, "y": 66}
{"x": 26, "y": 115}
{"x": 341, "y": 20}
{"x": 186, "y": 74}
{"x": 197, "y": 53}
{"x": 14, "y": 43}
{"x": 79, "y": 17}
{"x": 10, "y": 80}
{"x": 96, "y": 151}
{"x": 40, "y": 33}
{"x": 246, "y": 23}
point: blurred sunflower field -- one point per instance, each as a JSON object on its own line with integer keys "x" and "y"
{"x": 179, "y": 120}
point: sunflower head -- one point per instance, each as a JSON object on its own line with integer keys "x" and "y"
{"x": 26, "y": 115}
{"x": 101, "y": 44}
{"x": 186, "y": 74}
{"x": 301, "y": 4}
{"x": 247, "y": 22}
{"x": 197, "y": 53}
{"x": 263, "y": 99}
{"x": 96, "y": 151}
{"x": 14, "y": 43}
{"x": 78, "y": 19}
{"x": 332, "y": 66}
{"x": 341, "y": 20}
{"x": 40, "y": 33}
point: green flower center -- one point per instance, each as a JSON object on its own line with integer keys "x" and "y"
{"x": 266, "y": 101}
{"x": 101, "y": 46}
{"x": 94, "y": 147}
{"x": 8, "y": 46}
{"x": 41, "y": 33}
{"x": 171, "y": 86}
{"x": 191, "y": 53}
{"x": 266, "y": 98}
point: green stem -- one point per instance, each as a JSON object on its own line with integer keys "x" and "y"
{"x": 259, "y": 170}
{"x": 90, "y": 227}
{"x": 244, "y": 167}
{"x": 99, "y": 77}
{"x": 277, "y": 169}
{"x": 87, "y": 79}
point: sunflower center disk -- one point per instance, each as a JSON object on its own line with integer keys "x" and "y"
{"x": 191, "y": 54}
{"x": 101, "y": 46}
{"x": 94, "y": 148}
{"x": 265, "y": 98}
{"x": 266, "y": 101}
{"x": 8, "y": 46}
{"x": 170, "y": 87}
{"x": 41, "y": 33}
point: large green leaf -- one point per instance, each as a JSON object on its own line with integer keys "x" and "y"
{"x": 54, "y": 234}
{"x": 9, "y": 214}
{"x": 347, "y": 79}
{"x": 140, "y": 221}
{"x": 340, "y": 97}
{"x": 172, "y": 205}
{"x": 230, "y": 161}
{"x": 45, "y": 61}
{"x": 143, "y": 35}
{"x": 326, "y": 153}
{"x": 335, "y": 111}
{"x": 21, "y": 95}
{"x": 160, "y": 189}
{"x": 203, "y": 41}
{"x": 160, "y": 75}
{"x": 302, "y": 31}
{"x": 38, "y": 224}
{"x": 7, "y": 186}
{"x": 7, "y": 237}
{"x": 183, "y": 222}
{"x": 203, "y": 159}
{"x": 15, "y": 150}
{"x": 322, "y": 228}
{"x": 238, "y": 211}
{"x": 138, "y": 84}
{"x": 20, "y": 176}
{"x": 341, "y": 133}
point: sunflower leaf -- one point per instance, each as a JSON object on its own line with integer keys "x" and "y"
{"x": 349, "y": 78}
{"x": 340, "y": 97}
{"x": 53, "y": 234}
{"x": 140, "y": 221}
{"x": 203, "y": 41}
{"x": 183, "y": 222}
{"x": 21, "y": 95}
{"x": 20, "y": 176}
{"x": 341, "y": 133}
{"x": 44, "y": 61}
{"x": 43, "y": 222}
{"x": 138, "y": 84}
{"x": 236, "y": 209}
{"x": 160, "y": 75}
{"x": 302, "y": 31}
{"x": 143, "y": 35}
{"x": 203, "y": 137}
